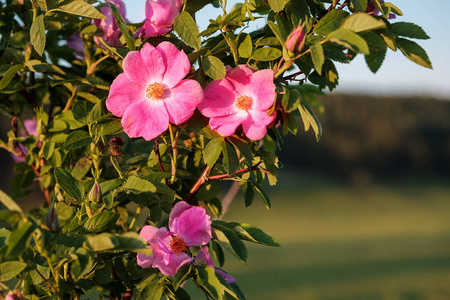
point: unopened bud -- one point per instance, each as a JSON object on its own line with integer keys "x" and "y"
{"x": 51, "y": 219}
{"x": 95, "y": 195}
{"x": 296, "y": 40}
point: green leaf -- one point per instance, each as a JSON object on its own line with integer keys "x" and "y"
{"x": 20, "y": 39}
{"x": 37, "y": 34}
{"x": 10, "y": 269}
{"x": 212, "y": 151}
{"x": 65, "y": 180}
{"x": 350, "y": 40}
{"x": 149, "y": 289}
{"x": 246, "y": 48}
{"x": 318, "y": 57}
{"x": 9, "y": 202}
{"x": 19, "y": 239}
{"x": 377, "y": 49}
{"x": 101, "y": 222}
{"x": 331, "y": 22}
{"x": 310, "y": 119}
{"x": 359, "y": 22}
{"x": 266, "y": 54}
{"x": 80, "y": 111}
{"x": 360, "y": 5}
{"x": 42, "y": 4}
{"x": 414, "y": 52}
{"x": 277, "y": 5}
{"x": 230, "y": 158}
{"x": 254, "y": 234}
{"x": 100, "y": 242}
{"x": 249, "y": 195}
{"x": 122, "y": 26}
{"x": 409, "y": 30}
{"x": 187, "y": 30}
{"x": 213, "y": 67}
{"x": 276, "y": 31}
{"x": 228, "y": 239}
{"x": 137, "y": 185}
{"x": 9, "y": 75}
{"x": 182, "y": 275}
{"x": 208, "y": 280}
{"x": 80, "y": 8}
{"x": 77, "y": 139}
{"x": 290, "y": 100}
{"x": 262, "y": 194}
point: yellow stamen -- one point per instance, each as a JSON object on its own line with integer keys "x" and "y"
{"x": 244, "y": 102}
{"x": 154, "y": 91}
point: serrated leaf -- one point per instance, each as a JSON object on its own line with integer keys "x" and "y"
{"x": 359, "y": 22}
{"x": 77, "y": 139}
{"x": 101, "y": 221}
{"x": 228, "y": 239}
{"x": 318, "y": 57}
{"x": 149, "y": 289}
{"x": 212, "y": 151}
{"x": 9, "y": 203}
{"x": 409, "y": 30}
{"x": 256, "y": 235}
{"x": 360, "y": 5}
{"x": 208, "y": 280}
{"x": 137, "y": 185}
{"x": 9, "y": 75}
{"x": 81, "y": 8}
{"x": 213, "y": 67}
{"x": 65, "y": 180}
{"x": 42, "y": 4}
{"x": 249, "y": 195}
{"x": 350, "y": 40}
{"x": 262, "y": 194}
{"x": 246, "y": 48}
{"x": 122, "y": 26}
{"x": 187, "y": 30}
{"x": 310, "y": 119}
{"x": 182, "y": 275}
{"x": 10, "y": 269}
{"x": 266, "y": 54}
{"x": 331, "y": 22}
{"x": 100, "y": 242}
{"x": 276, "y": 5}
{"x": 37, "y": 34}
{"x": 414, "y": 52}
{"x": 377, "y": 48}
{"x": 230, "y": 159}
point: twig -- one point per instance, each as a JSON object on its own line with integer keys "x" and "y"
{"x": 229, "y": 197}
{"x": 158, "y": 155}
{"x": 198, "y": 184}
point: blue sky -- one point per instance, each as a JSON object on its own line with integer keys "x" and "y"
{"x": 397, "y": 75}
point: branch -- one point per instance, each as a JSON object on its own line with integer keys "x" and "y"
{"x": 198, "y": 184}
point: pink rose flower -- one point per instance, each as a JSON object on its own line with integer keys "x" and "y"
{"x": 160, "y": 16}
{"x": 242, "y": 97}
{"x": 151, "y": 92}
{"x": 203, "y": 258}
{"x": 296, "y": 40}
{"x": 111, "y": 31}
{"x": 371, "y": 9}
{"x": 188, "y": 226}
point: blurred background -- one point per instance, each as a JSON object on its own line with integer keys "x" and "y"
{"x": 364, "y": 213}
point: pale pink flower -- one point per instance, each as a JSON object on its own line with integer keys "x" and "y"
{"x": 188, "y": 226}
{"x": 111, "y": 31}
{"x": 296, "y": 40}
{"x": 151, "y": 91}
{"x": 203, "y": 258}
{"x": 371, "y": 9}
{"x": 160, "y": 15}
{"x": 242, "y": 97}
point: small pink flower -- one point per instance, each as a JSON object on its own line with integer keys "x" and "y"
{"x": 160, "y": 16}
{"x": 188, "y": 226}
{"x": 242, "y": 97}
{"x": 371, "y": 9}
{"x": 151, "y": 91}
{"x": 111, "y": 31}
{"x": 203, "y": 258}
{"x": 76, "y": 43}
{"x": 296, "y": 40}
{"x": 30, "y": 126}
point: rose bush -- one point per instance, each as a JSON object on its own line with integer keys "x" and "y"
{"x": 129, "y": 130}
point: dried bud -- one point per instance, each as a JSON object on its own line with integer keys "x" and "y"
{"x": 95, "y": 195}
{"x": 115, "y": 146}
{"x": 296, "y": 40}
{"x": 51, "y": 219}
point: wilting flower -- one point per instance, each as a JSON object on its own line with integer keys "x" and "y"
{"x": 30, "y": 126}
{"x": 160, "y": 16}
{"x": 151, "y": 92}
{"x": 242, "y": 97}
{"x": 111, "y": 31}
{"x": 188, "y": 226}
{"x": 372, "y": 9}
{"x": 296, "y": 40}
{"x": 203, "y": 258}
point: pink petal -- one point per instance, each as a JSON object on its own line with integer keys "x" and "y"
{"x": 149, "y": 29}
{"x": 177, "y": 210}
{"x": 240, "y": 78}
{"x": 145, "y": 66}
{"x": 228, "y": 278}
{"x": 177, "y": 63}
{"x": 219, "y": 99}
{"x": 263, "y": 89}
{"x": 172, "y": 262}
{"x": 161, "y": 13}
{"x": 203, "y": 256}
{"x": 192, "y": 224}
{"x": 148, "y": 232}
{"x": 145, "y": 261}
{"x": 146, "y": 119}
{"x": 227, "y": 125}
{"x": 183, "y": 100}
{"x": 122, "y": 94}
{"x": 255, "y": 127}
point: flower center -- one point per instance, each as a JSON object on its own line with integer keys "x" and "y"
{"x": 177, "y": 244}
{"x": 154, "y": 91}
{"x": 244, "y": 102}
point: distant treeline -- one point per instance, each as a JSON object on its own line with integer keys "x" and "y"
{"x": 366, "y": 138}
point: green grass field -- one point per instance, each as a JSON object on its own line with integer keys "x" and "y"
{"x": 372, "y": 242}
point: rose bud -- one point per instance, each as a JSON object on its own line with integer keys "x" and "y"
{"x": 296, "y": 40}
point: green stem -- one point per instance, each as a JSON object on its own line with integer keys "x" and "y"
{"x": 113, "y": 161}
{"x": 138, "y": 211}
{"x": 174, "y": 142}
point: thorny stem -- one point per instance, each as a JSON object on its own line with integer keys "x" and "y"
{"x": 158, "y": 155}
{"x": 48, "y": 282}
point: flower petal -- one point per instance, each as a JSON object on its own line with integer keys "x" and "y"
{"x": 240, "y": 78}
{"x": 172, "y": 262}
{"x": 145, "y": 66}
{"x": 228, "y": 278}
{"x": 161, "y": 13}
{"x": 148, "y": 232}
{"x": 203, "y": 256}
{"x": 146, "y": 119}
{"x": 255, "y": 127}
{"x": 263, "y": 89}
{"x": 219, "y": 99}
{"x": 149, "y": 29}
{"x": 192, "y": 224}
{"x": 176, "y": 61}
{"x": 227, "y": 125}
{"x": 183, "y": 100}
{"x": 122, "y": 94}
